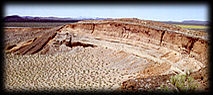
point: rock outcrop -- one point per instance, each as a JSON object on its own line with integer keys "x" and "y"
{"x": 160, "y": 34}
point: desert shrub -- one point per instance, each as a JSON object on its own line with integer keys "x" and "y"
{"x": 181, "y": 83}
{"x": 164, "y": 88}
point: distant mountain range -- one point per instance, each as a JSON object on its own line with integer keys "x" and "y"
{"x": 16, "y": 18}
{"x": 187, "y": 22}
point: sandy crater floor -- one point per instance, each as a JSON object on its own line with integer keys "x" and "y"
{"x": 83, "y": 69}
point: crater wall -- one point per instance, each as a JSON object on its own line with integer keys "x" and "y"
{"x": 192, "y": 45}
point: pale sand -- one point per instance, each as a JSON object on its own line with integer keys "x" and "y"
{"x": 79, "y": 70}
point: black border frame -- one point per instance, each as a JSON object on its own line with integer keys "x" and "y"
{"x": 104, "y": 3}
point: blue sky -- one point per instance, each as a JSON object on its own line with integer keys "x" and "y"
{"x": 158, "y": 12}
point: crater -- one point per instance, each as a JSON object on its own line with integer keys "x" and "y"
{"x": 126, "y": 48}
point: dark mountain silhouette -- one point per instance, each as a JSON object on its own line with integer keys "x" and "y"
{"x": 195, "y": 22}
{"x": 187, "y": 22}
{"x": 16, "y": 18}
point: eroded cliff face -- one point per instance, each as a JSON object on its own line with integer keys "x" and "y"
{"x": 181, "y": 41}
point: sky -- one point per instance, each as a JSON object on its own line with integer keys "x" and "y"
{"x": 157, "y": 12}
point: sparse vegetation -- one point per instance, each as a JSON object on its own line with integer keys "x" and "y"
{"x": 193, "y": 26}
{"x": 181, "y": 83}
